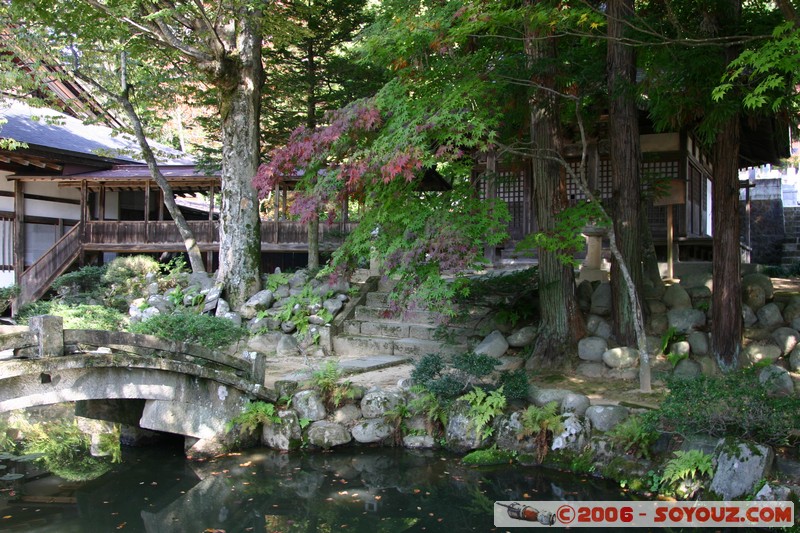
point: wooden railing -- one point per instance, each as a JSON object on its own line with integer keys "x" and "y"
{"x": 121, "y": 234}
{"x": 138, "y": 236}
{"x": 37, "y": 278}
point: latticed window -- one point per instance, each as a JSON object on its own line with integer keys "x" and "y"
{"x": 576, "y": 194}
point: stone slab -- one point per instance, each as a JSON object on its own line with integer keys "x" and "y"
{"x": 367, "y": 364}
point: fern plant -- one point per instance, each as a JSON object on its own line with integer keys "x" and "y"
{"x": 541, "y": 423}
{"x": 483, "y": 407}
{"x": 635, "y": 435}
{"x": 254, "y": 415}
{"x": 686, "y": 466}
{"x": 326, "y": 381}
{"x": 431, "y": 407}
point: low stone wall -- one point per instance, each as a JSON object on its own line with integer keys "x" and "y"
{"x": 387, "y": 417}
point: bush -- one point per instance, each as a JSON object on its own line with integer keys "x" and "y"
{"x": 450, "y": 379}
{"x": 126, "y": 276}
{"x": 80, "y": 316}
{"x": 515, "y": 384}
{"x": 209, "y": 331}
{"x": 88, "y": 279}
{"x": 735, "y": 404}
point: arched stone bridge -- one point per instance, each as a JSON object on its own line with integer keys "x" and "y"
{"x": 187, "y": 389}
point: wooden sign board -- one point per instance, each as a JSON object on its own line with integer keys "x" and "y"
{"x": 676, "y": 194}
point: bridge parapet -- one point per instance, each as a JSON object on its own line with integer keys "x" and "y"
{"x": 46, "y": 337}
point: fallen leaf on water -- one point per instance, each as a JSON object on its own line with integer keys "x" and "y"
{"x": 342, "y": 493}
{"x": 6, "y": 517}
{"x": 377, "y": 497}
{"x": 122, "y": 525}
{"x": 248, "y": 463}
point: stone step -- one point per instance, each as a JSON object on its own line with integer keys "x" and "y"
{"x": 418, "y": 348}
{"x": 380, "y": 314}
{"x": 377, "y": 299}
{"x": 361, "y": 346}
{"x": 399, "y": 330}
{"x": 367, "y": 313}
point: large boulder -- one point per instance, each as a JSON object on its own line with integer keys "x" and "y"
{"x": 287, "y": 346}
{"x": 601, "y": 300}
{"x": 418, "y": 442}
{"x": 622, "y": 357}
{"x": 574, "y": 435}
{"x": 753, "y": 296}
{"x": 328, "y": 434}
{"x": 309, "y": 405}
{"x": 541, "y": 397}
{"x": 284, "y": 435}
{"x": 685, "y": 320}
{"x": 333, "y": 305}
{"x": 376, "y": 403}
{"x": 698, "y": 341}
{"x": 740, "y": 467}
{"x": 794, "y": 360}
{"x": 755, "y": 353}
{"x": 598, "y": 326}
{"x": 786, "y": 339}
{"x": 522, "y": 337}
{"x": 265, "y": 343}
{"x": 687, "y": 369}
{"x": 676, "y": 297}
{"x": 748, "y": 316}
{"x": 494, "y": 345}
{"x": 792, "y": 309}
{"x": 260, "y": 301}
{"x": 461, "y": 434}
{"x": 777, "y": 381}
{"x": 770, "y": 316}
{"x": 371, "y": 430}
{"x": 347, "y": 414}
{"x": 592, "y": 348}
{"x": 761, "y": 280}
{"x": 606, "y": 417}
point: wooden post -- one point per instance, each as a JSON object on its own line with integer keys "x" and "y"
{"x": 84, "y": 212}
{"x": 160, "y": 198}
{"x": 102, "y": 207}
{"x": 147, "y": 211}
{"x": 670, "y": 244}
{"x": 277, "y": 212}
{"x": 210, "y": 253}
{"x": 19, "y": 229}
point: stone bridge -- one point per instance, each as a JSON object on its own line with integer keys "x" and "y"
{"x": 184, "y": 389}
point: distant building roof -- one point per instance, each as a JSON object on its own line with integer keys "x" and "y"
{"x": 42, "y": 128}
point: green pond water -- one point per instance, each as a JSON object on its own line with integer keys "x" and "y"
{"x": 352, "y": 489}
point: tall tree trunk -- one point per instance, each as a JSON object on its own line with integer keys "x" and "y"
{"x": 726, "y": 300}
{"x": 561, "y": 320}
{"x": 623, "y": 122}
{"x": 311, "y": 123}
{"x": 240, "y": 227}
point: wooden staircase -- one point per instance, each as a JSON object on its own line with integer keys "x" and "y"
{"x": 38, "y": 277}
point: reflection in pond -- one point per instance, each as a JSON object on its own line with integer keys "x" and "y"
{"x": 356, "y": 489}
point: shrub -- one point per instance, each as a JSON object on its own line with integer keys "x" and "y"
{"x": 6, "y": 295}
{"x": 80, "y": 316}
{"x": 515, "y": 384}
{"x": 735, "y": 404}
{"x": 126, "y": 276}
{"x": 447, "y": 380}
{"x": 428, "y": 404}
{"x": 88, "y": 279}
{"x": 209, "y": 331}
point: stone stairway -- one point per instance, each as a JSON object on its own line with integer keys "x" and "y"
{"x": 374, "y": 330}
